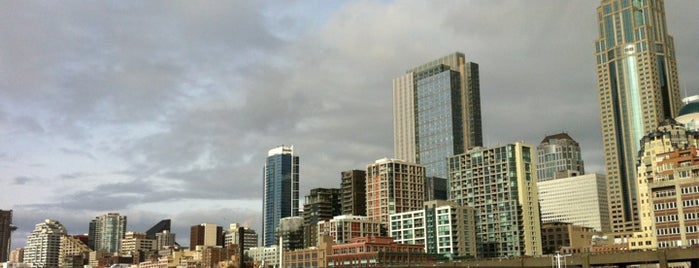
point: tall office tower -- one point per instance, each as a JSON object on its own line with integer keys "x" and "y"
{"x": 667, "y": 191}
{"x": 638, "y": 88}
{"x": 442, "y": 226}
{"x": 500, "y": 184}
{"x": 44, "y": 244}
{"x": 290, "y": 230}
{"x": 106, "y": 232}
{"x": 163, "y": 225}
{"x": 205, "y": 234}
{"x": 393, "y": 186}
{"x": 437, "y": 112}
{"x": 580, "y": 200}
{"x": 354, "y": 192}
{"x": 6, "y": 229}
{"x": 435, "y": 188}
{"x": 281, "y": 190}
{"x": 320, "y": 204}
{"x": 559, "y": 157}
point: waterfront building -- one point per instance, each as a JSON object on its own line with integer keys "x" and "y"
{"x": 500, "y": 184}
{"x": 638, "y": 88}
{"x": 376, "y": 252}
{"x": 579, "y": 200}
{"x": 393, "y": 186}
{"x": 281, "y": 190}
{"x": 437, "y": 112}
{"x": 315, "y": 256}
{"x": 443, "y": 227}
{"x": 559, "y": 157}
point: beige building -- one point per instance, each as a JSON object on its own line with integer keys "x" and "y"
{"x": 393, "y": 186}
{"x": 638, "y": 88}
{"x": 580, "y": 200}
{"x": 437, "y": 112}
{"x": 567, "y": 238}
{"x": 668, "y": 172}
{"x": 500, "y": 184}
{"x": 344, "y": 228}
{"x": 316, "y": 257}
{"x": 73, "y": 252}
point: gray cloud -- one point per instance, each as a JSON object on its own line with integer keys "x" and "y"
{"x": 22, "y": 180}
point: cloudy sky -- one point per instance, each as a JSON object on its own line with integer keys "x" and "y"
{"x": 166, "y": 109}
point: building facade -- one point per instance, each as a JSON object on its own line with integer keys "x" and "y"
{"x": 237, "y": 233}
{"x": 281, "y": 190}
{"x": 6, "y": 229}
{"x": 316, "y": 256}
{"x": 73, "y": 252}
{"x": 668, "y": 179}
{"x": 353, "y": 186}
{"x": 443, "y": 227}
{"x": 44, "y": 244}
{"x": 559, "y": 155}
{"x": 320, "y": 204}
{"x": 566, "y": 238}
{"x": 377, "y": 252}
{"x": 638, "y": 88}
{"x": 437, "y": 112}
{"x": 500, "y": 184}
{"x": 106, "y": 232}
{"x": 347, "y": 227}
{"x": 393, "y": 186}
{"x": 205, "y": 234}
{"x": 435, "y": 188}
{"x": 290, "y": 230}
{"x": 580, "y": 200}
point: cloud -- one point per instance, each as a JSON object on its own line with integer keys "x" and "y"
{"x": 22, "y": 180}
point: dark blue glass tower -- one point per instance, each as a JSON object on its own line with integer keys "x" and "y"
{"x": 281, "y": 190}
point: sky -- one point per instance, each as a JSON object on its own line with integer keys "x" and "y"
{"x": 166, "y": 109}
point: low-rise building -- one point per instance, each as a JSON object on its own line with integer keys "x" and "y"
{"x": 377, "y": 252}
{"x": 343, "y": 228}
{"x": 310, "y": 257}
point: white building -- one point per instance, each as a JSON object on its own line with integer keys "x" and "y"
{"x": 268, "y": 255}
{"x": 44, "y": 244}
{"x": 442, "y": 226}
{"x": 580, "y": 200}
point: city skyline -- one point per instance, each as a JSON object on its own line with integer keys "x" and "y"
{"x": 173, "y": 122}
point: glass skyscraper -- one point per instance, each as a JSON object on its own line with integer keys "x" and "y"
{"x": 281, "y": 190}
{"x": 106, "y": 232}
{"x": 436, "y": 112}
{"x": 638, "y": 88}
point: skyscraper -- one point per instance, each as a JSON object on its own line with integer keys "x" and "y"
{"x": 281, "y": 190}
{"x": 559, "y": 157}
{"x": 44, "y": 244}
{"x": 500, "y": 184}
{"x": 638, "y": 88}
{"x": 6, "y": 229}
{"x": 320, "y": 204}
{"x": 437, "y": 112}
{"x": 106, "y": 232}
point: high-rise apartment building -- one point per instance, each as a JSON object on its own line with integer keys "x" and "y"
{"x": 559, "y": 157}
{"x": 320, "y": 204}
{"x": 354, "y": 192}
{"x": 638, "y": 88}
{"x": 136, "y": 245}
{"x": 281, "y": 190}
{"x": 500, "y": 184}
{"x": 668, "y": 188}
{"x": 393, "y": 186}
{"x": 106, "y": 232}
{"x": 44, "y": 244}
{"x": 6, "y": 229}
{"x": 344, "y": 228}
{"x": 437, "y": 112}
{"x": 73, "y": 252}
{"x": 579, "y": 200}
{"x": 441, "y": 226}
{"x": 205, "y": 234}
{"x": 435, "y": 188}
{"x": 290, "y": 231}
